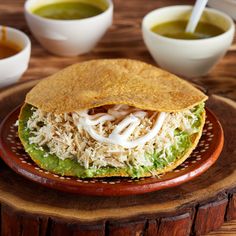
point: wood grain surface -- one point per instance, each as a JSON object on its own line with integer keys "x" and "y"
{"x": 124, "y": 39}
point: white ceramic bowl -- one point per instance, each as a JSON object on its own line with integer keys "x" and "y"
{"x": 189, "y": 58}
{"x": 68, "y": 37}
{"x": 227, "y": 6}
{"x": 12, "y": 68}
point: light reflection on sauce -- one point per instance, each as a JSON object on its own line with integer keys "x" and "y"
{"x": 4, "y": 34}
{"x": 7, "y": 48}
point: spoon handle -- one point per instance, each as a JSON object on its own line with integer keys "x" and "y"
{"x": 196, "y": 15}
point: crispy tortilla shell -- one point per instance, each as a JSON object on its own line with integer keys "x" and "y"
{"x": 113, "y": 81}
{"x": 69, "y": 167}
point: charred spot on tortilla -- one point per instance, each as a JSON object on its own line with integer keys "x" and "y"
{"x": 106, "y": 118}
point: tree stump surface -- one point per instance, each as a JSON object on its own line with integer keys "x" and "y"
{"x": 196, "y": 207}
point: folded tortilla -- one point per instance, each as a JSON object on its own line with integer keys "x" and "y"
{"x": 117, "y": 81}
{"x": 99, "y": 83}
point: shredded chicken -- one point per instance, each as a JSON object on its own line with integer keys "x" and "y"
{"x": 65, "y": 136}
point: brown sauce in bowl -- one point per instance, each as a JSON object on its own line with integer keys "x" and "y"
{"x": 7, "y": 48}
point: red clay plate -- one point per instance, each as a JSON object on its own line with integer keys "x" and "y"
{"x": 205, "y": 155}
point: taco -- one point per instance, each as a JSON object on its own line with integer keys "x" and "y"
{"x": 107, "y": 118}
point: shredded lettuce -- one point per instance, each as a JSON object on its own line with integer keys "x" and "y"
{"x": 197, "y": 111}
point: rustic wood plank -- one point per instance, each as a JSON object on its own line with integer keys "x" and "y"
{"x": 60, "y": 229}
{"x": 29, "y": 226}
{"x": 210, "y": 217}
{"x": 10, "y": 222}
{"x": 43, "y": 226}
{"x": 97, "y": 230}
{"x": 82, "y": 229}
{"x": 228, "y": 229}
{"x": 151, "y": 227}
{"x": 231, "y": 211}
{"x": 20, "y": 223}
{"x": 176, "y": 226}
{"x": 134, "y": 228}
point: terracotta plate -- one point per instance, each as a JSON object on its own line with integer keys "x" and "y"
{"x": 201, "y": 159}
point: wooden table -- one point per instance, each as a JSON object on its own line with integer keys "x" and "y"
{"x": 122, "y": 40}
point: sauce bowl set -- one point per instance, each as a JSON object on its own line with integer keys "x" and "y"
{"x": 73, "y": 37}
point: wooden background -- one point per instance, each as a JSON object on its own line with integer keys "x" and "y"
{"x": 124, "y": 39}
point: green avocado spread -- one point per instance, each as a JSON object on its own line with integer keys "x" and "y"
{"x": 71, "y": 167}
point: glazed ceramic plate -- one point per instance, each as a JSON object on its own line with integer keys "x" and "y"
{"x": 206, "y": 153}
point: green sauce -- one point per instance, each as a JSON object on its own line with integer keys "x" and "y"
{"x": 176, "y": 30}
{"x": 68, "y": 10}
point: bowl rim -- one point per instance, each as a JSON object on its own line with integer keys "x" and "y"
{"x": 146, "y": 28}
{"x": 26, "y": 47}
{"x": 47, "y": 20}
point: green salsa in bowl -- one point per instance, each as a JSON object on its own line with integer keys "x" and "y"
{"x": 70, "y": 10}
{"x": 176, "y": 30}
{"x": 184, "y": 54}
{"x": 68, "y": 28}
